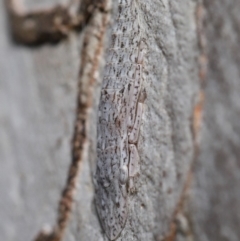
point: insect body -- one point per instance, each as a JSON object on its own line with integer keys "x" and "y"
{"x": 120, "y": 112}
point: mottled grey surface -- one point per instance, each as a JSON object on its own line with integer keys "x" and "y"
{"x": 166, "y": 145}
{"x": 38, "y": 95}
{"x": 37, "y": 111}
{"x": 38, "y": 88}
{"x": 216, "y": 191}
{"x": 166, "y": 142}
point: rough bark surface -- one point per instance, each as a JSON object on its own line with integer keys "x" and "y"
{"x": 39, "y": 87}
{"x": 166, "y": 144}
{"x": 215, "y": 195}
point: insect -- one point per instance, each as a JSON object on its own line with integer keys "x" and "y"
{"x": 120, "y": 113}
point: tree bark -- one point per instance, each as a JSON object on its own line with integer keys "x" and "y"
{"x": 188, "y": 183}
{"x": 215, "y": 210}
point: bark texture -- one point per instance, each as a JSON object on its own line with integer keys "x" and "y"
{"x": 215, "y": 195}
{"x": 38, "y": 105}
{"x": 49, "y": 96}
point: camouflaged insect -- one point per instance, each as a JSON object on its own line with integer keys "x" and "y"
{"x": 120, "y": 112}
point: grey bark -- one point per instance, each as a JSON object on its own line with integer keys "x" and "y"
{"x": 38, "y": 102}
{"x": 38, "y": 93}
{"x": 215, "y": 209}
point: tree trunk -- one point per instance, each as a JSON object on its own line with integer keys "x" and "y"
{"x": 189, "y": 167}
